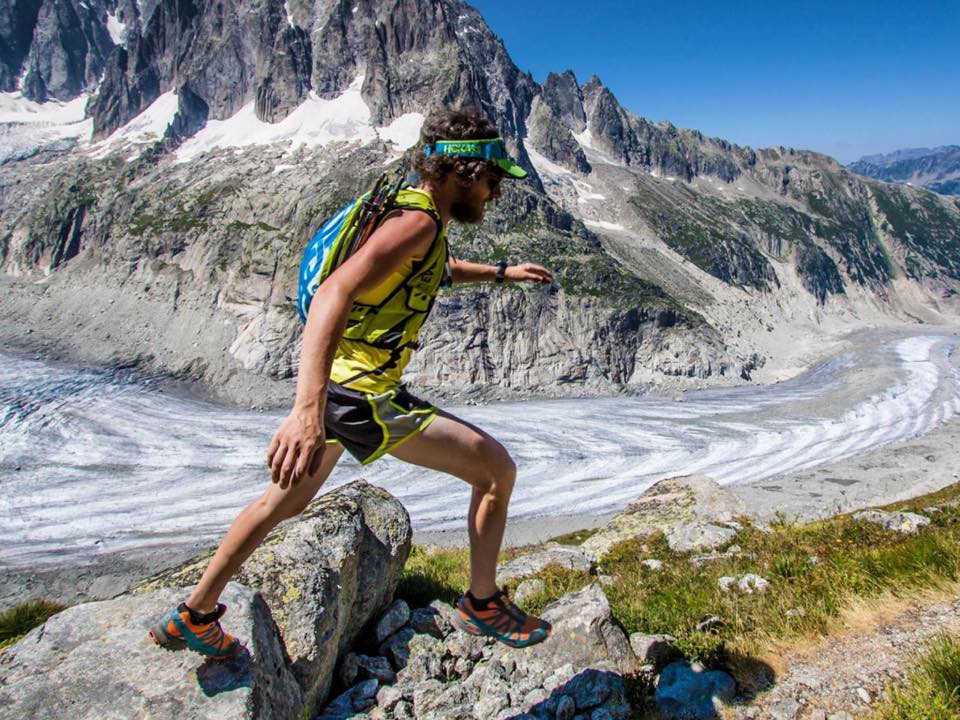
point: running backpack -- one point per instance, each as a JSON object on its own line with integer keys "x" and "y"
{"x": 341, "y": 236}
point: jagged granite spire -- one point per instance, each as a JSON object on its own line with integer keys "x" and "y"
{"x": 414, "y": 55}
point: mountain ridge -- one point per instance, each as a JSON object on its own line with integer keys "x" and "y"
{"x": 937, "y": 169}
{"x": 680, "y": 258}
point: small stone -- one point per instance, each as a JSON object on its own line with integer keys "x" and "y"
{"x": 814, "y": 560}
{"x": 388, "y": 697}
{"x": 424, "y": 666}
{"x": 376, "y": 667}
{"x": 864, "y": 695}
{"x": 396, "y": 648}
{"x": 796, "y": 612}
{"x": 436, "y": 619}
{"x": 711, "y": 623}
{"x": 460, "y": 644}
{"x": 462, "y": 667}
{"x": 932, "y": 510}
{"x": 652, "y": 564}
{"x": 651, "y": 648}
{"x": 726, "y": 583}
{"x": 733, "y": 550}
{"x": 396, "y": 616}
{"x": 817, "y": 714}
{"x": 751, "y": 583}
{"x": 786, "y": 709}
{"x": 842, "y": 715}
{"x": 364, "y": 695}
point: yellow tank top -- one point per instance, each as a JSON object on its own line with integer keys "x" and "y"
{"x": 384, "y": 323}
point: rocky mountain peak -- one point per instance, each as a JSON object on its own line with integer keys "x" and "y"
{"x": 413, "y": 56}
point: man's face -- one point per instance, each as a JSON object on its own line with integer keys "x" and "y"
{"x": 473, "y": 198}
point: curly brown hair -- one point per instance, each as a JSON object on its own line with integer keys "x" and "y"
{"x": 464, "y": 124}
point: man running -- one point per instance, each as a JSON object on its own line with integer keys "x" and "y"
{"x": 361, "y": 329}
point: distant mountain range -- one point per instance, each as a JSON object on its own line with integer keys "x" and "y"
{"x": 936, "y": 169}
{"x": 162, "y": 163}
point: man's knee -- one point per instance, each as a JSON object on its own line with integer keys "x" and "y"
{"x": 499, "y": 471}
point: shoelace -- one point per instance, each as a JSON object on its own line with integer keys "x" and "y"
{"x": 502, "y": 600}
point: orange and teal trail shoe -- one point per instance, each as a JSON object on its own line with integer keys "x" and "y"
{"x": 184, "y": 628}
{"x": 499, "y": 618}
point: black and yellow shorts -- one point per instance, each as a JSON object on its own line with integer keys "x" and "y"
{"x": 369, "y": 425}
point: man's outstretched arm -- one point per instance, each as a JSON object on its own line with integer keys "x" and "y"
{"x": 463, "y": 271}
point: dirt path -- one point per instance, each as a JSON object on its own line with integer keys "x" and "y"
{"x": 844, "y": 675}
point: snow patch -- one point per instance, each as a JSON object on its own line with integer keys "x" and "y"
{"x": 603, "y": 224}
{"x": 147, "y": 127}
{"x": 280, "y": 168}
{"x": 585, "y": 139}
{"x": 315, "y": 122}
{"x": 286, "y": 6}
{"x": 404, "y": 131}
{"x": 117, "y": 30}
{"x": 15, "y": 108}
{"x": 546, "y": 167}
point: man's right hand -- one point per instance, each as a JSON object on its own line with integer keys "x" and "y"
{"x": 297, "y": 447}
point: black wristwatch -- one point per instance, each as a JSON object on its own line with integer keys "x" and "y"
{"x": 501, "y": 271}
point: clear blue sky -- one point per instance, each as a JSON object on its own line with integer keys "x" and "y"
{"x": 843, "y": 78}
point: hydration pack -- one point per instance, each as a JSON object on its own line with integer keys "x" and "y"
{"x": 341, "y": 236}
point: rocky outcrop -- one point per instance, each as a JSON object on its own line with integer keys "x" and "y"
{"x": 447, "y": 674}
{"x": 68, "y": 48}
{"x": 324, "y": 575}
{"x": 17, "y": 20}
{"x": 692, "y": 511}
{"x": 96, "y": 660}
{"x": 903, "y": 522}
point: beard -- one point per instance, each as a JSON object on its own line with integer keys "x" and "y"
{"x": 467, "y": 212}
{"x": 465, "y": 208}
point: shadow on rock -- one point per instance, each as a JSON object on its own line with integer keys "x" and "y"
{"x": 601, "y": 691}
{"x": 220, "y": 676}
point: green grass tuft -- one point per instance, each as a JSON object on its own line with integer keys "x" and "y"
{"x": 18, "y": 621}
{"x": 931, "y": 690}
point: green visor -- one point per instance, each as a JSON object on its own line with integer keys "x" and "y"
{"x": 490, "y": 149}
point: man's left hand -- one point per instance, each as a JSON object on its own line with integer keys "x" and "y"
{"x": 528, "y": 271}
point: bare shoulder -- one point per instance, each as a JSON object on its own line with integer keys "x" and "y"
{"x": 414, "y": 230}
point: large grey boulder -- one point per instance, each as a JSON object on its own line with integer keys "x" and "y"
{"x": 97, "y": 661}
{"x": 324, "y": 575}
{"x": 572, "y": 558}
{"x": 685, "y": 690}
{"x": 692, "y": 511}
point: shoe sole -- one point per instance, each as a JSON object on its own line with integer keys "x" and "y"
{"x": 160, "y": 637}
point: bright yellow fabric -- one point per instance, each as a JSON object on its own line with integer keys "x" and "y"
{"x": 355, "y": 357}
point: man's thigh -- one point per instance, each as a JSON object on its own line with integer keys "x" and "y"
{"x": 454, "y": 446}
